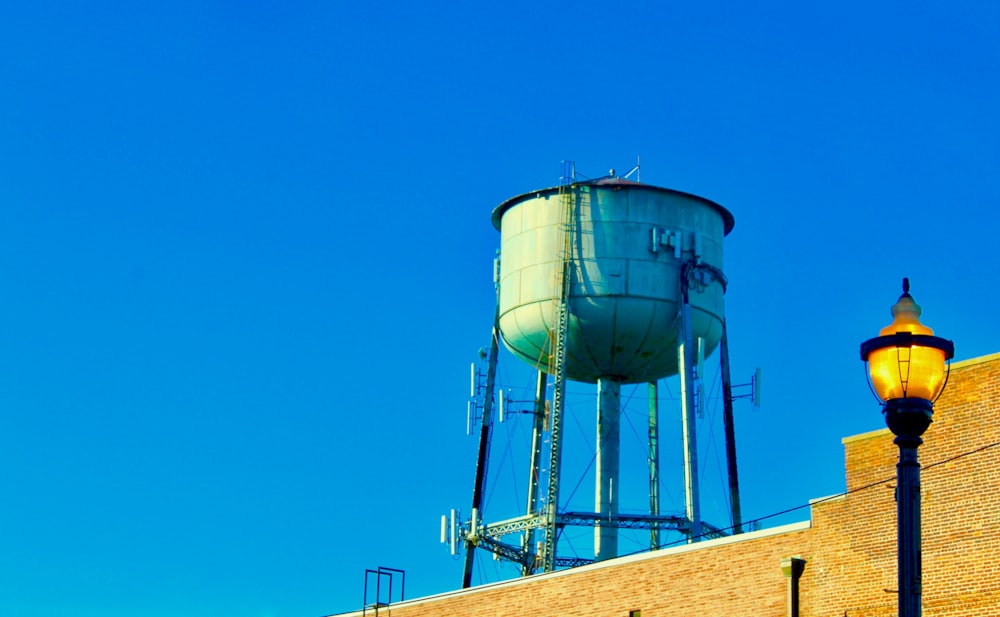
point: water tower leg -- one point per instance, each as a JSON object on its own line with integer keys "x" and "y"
{"x": 730, "y": 430}
{"x": 608, "y": 439}
{"x": 485, "y": 436}
{"x": 528, "y": 541}
{"x": 685, "y": 357}
{"x": 654, "y": 463}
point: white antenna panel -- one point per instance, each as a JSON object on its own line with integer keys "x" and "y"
{"x": 454, "y": 535}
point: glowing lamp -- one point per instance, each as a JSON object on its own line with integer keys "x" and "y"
{"x": 906, "y": 360}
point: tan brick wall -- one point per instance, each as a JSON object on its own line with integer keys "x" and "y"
{"x": 850, "y": 547}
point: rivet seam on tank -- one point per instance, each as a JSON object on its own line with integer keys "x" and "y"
{"x": 668, "y": 238}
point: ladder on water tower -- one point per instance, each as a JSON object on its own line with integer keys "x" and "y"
{"x": 557, "y": 363}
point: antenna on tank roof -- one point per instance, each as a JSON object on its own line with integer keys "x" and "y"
{"x": 634, "y": 170}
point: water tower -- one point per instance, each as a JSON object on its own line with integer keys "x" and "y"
{"x": 609, "y": 282}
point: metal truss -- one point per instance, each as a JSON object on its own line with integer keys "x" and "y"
{"x": 486, "y": 536}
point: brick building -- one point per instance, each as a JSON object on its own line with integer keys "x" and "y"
{"x": 848, "y": 547}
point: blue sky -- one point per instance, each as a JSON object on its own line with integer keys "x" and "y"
{"x": 246, "y": 259}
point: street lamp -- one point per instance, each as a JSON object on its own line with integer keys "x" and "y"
{"x": 907, "y": 370}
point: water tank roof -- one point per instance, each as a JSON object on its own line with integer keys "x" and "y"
{"x": 612, "y": 181}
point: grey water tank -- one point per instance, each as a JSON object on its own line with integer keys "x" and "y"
{"x": 628, "y": 244}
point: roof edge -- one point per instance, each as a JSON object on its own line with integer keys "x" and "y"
{"x": 728, "y": 220}
{"x": 993, "y": 357}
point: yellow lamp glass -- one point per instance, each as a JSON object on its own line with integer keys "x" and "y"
{"x": 907, "y": 372}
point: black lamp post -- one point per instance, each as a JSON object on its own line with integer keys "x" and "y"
{"x": 907, "y": 370}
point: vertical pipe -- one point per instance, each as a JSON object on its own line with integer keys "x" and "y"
{"x": 654, "y": 464}
{"x": 608, "y": 440}
{"x": 728, "y": 422}
{"x": 528, "y": 541}
{"x": 685, "y": 360}
{"x": 699, "y": 371}
{"x": 793, "y": 568}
